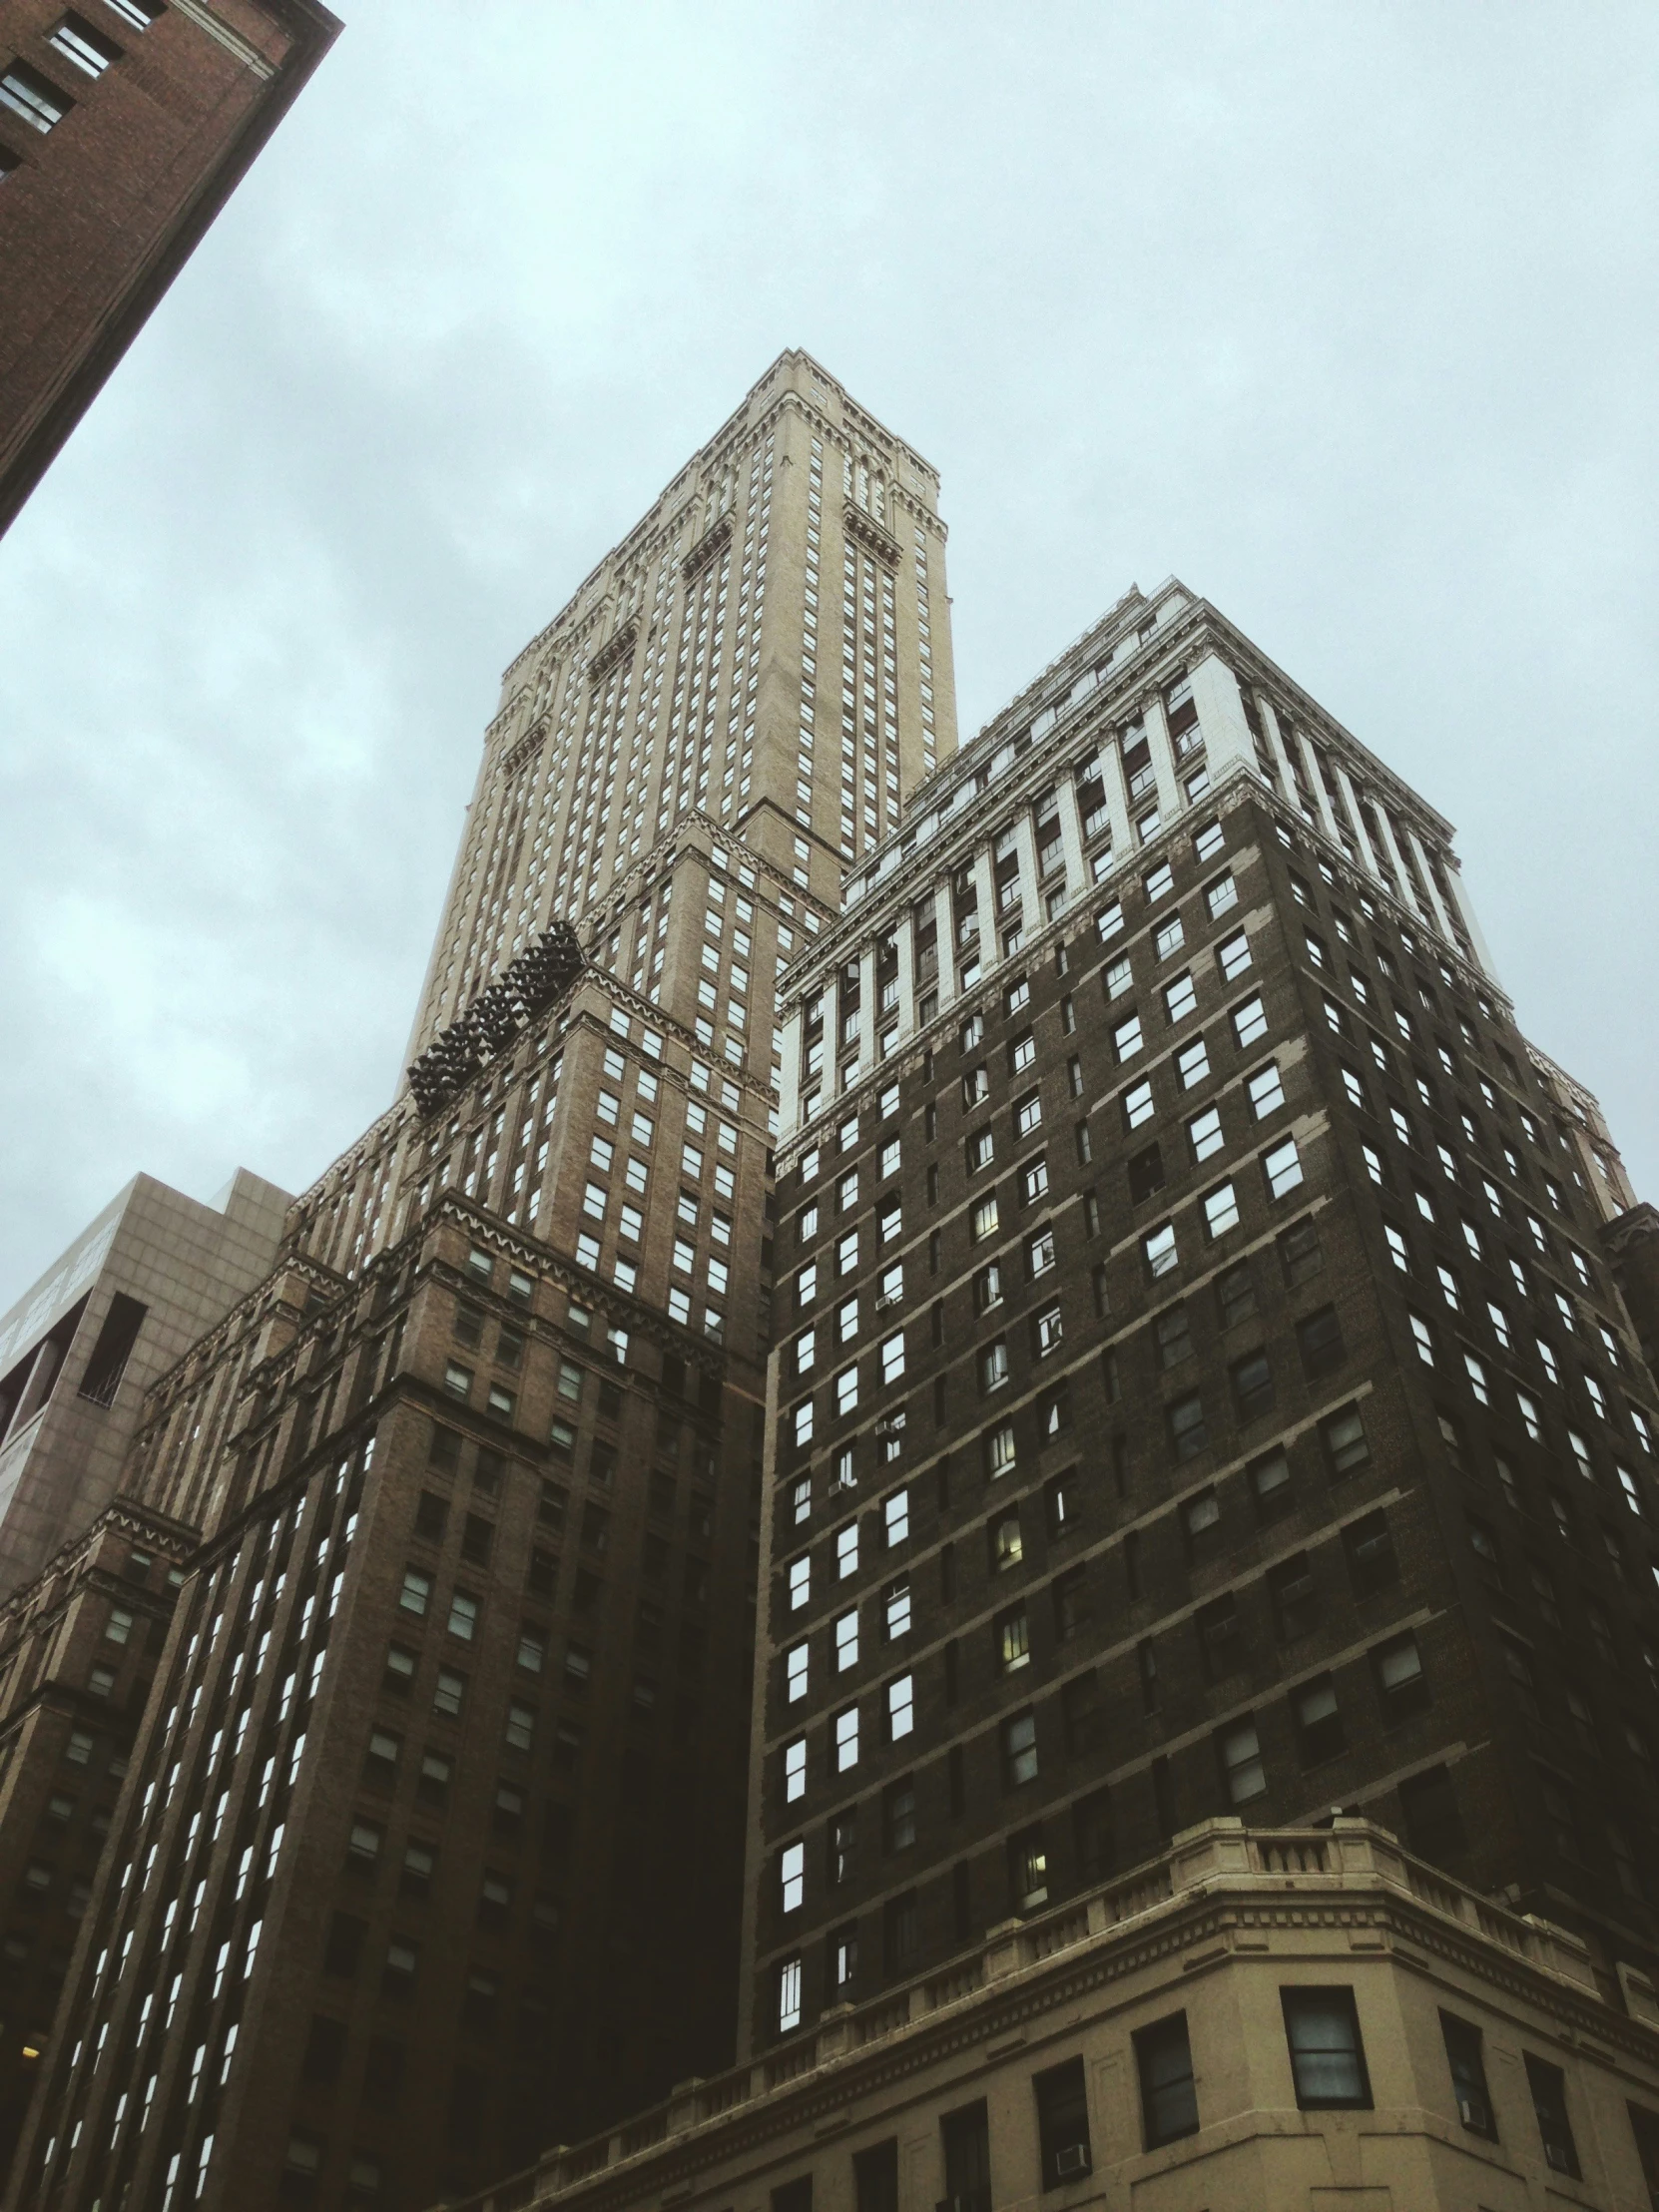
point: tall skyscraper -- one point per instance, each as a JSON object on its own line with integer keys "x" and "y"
{"x": 432, "y": 1844}
{"x": 1201, "y": 1385}
{"x": 122, "y": 132}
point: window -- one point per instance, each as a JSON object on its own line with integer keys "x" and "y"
{"x": 1137, "y": 1105}
{"x": 1164, "y": 2063}
{"x": 1240, "y": 1750}
{"x": 789, "y": 1996}
{"x": 1020, "y": 1750}
{"x": 1270, "y": 1484}
{"x": 895, "y": 1513}
{"x": 1400, "y": 1682}
{"x": 1173, "y": 1334}
{"x": 33, "y": 96}
{"x": 417, "y": 1592}
{"x": 1236, "y": 1293}
{"x": 1061, "y": 2095}
{"x": 1234, "y": 957}
{"x": 1266, "y": 1093}
{"x": 1221, "y": 1211}
{"x": 1187, "y": 1433}
{"x": 1328, "y": 2060}
{"x": 1252, "y": 1380}
{"x": 1468, "y": 2076}
{"x": 1205, "y": 1134}
{"x": 1180, "y": 998}
{"x": 1372, "y": 1564}
{"x": 1192, "y": 1064}
{"x": 1550, "y": 2104}
{"x": 1319, "y": 1723}
{"x": 993, "y": 1366}
{"x": 844, "y": 1730}
{"x": 1319, "y": 1340}
{"x": 1250, "y": 1021}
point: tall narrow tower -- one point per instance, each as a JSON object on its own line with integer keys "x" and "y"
{"x": 431, "y": 1848}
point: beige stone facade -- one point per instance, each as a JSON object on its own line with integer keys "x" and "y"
{"x": 1315, "y": 2021}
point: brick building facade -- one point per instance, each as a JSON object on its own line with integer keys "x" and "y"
{"x": 433, "y": 1843}
{"x": 125, "y": 125}
{"x": 1200, "y": 1384}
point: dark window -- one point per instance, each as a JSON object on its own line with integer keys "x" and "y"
{"x": 1644, "y": 2125}
{"x": 1169, "y": 2102}
{"x": 1319, "y": 1338}
{"x": 1549, "y": 2101}
{"x": 1220, "y": 1642}
{"x": 965, "y": 2136}
{"x": 1299, "y": 1250}
{"x": 1319, "y": 1721}
{"x": 1401, "y": 1685}
{"x": 1468, "y": 2076}
{"x": 1236, "y": 1293}
{"x": 1146, "y": 1174}
{"x": 1174, "y": 1335}
{"x": 1432, "y": 1823}
{"x": 1082, "y": 1713}
{"x": 1328, "y": 2060}
{"x": 1342, "y": 1435}
{"x": 1296, "y": 1605}
{"x": 875, "y": 2177}
{"x": 1251, "y": 1384}
{"x": 898, "y": 1814}
{"x": 431, "y": 1516}
{"x": 1091, "y": 1820}
{"x": 900, "y": 1933}
{"x": 1371, "y": 1564}
{"x": 793, "y": 2196}
{"x": 1270, "y": 1488}
{"x": 1064, "y": 2123}
{"x": 477, "y": 1535}
{"x": 1188, "y": 1434}
{"x": 1071, "y": 1602}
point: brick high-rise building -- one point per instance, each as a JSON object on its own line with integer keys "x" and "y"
{"x": 1201, "y": 1382}
{"x": 433, "y": 1845}
{"x": 125, "y": 125}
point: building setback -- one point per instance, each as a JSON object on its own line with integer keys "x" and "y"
{"x": 1199, "y": 1385}
{"x": 1259, "y": 2018}
{"x": 124, "y": 129}
{"x": 432, "y": 1846}
{"x": 81, "y": 1346}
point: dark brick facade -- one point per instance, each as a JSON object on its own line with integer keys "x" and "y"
{"x": 159, "y": 116}
{"x": 78, "y": 1652}
{"x": 1232, "y": 1543}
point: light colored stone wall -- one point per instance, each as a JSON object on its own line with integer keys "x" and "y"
{"x": 1216, "y": 1931}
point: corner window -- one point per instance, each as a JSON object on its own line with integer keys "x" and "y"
{"x": 1328, "y": 2060}
{"x": 1550, "y": 2102}
{"x": 1468, "y": 2076}
{"x": 1169, "y": 2100}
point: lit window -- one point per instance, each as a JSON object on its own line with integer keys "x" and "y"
{"x": 1283, "y": 1168}
{"x": 1234, "y": 957}
{"x": 1221, "y": 1211}
{"x": 1267, "y": 1091}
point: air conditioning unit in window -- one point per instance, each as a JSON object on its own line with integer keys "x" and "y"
{"x": 892, "y": 1298}
{"x": 1072, "y": 2161}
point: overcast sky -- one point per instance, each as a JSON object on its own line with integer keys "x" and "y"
{"x": 1344, "y": 314}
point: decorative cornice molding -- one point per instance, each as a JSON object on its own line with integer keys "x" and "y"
{"x": 708, "y": 549}
{"x": 870, "y": 533}
{"x": 618, "y": 647}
